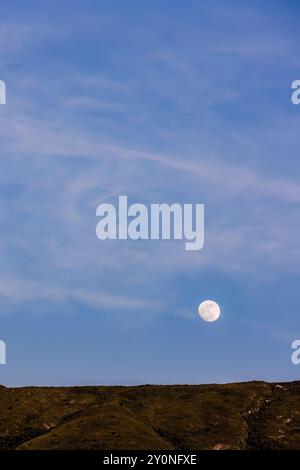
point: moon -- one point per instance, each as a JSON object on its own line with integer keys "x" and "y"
{"x": 209, "y": 310}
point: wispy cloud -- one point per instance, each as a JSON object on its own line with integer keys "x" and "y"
{"x": 16, "y": 290}
{"x": 69, "y": 158}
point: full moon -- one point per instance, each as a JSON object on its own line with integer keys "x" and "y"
{"x": 209, "y": 310}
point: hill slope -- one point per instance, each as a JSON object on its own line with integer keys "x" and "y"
{"x": 177, "y": 417}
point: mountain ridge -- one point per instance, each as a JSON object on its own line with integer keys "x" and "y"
{"x": 246, "y": 415}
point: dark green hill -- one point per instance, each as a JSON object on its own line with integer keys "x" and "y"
{"x": 183, "y": 417}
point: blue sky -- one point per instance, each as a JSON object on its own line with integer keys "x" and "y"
{"x": 164, "y": 101}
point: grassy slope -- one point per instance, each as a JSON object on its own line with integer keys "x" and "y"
{"x": 233, "y": 416}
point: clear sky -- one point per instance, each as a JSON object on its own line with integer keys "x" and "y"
{"x": 164, "y": 101}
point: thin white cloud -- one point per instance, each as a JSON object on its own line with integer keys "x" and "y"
{"x": 18, "y": 290}
{"x": 251, "y": 221}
